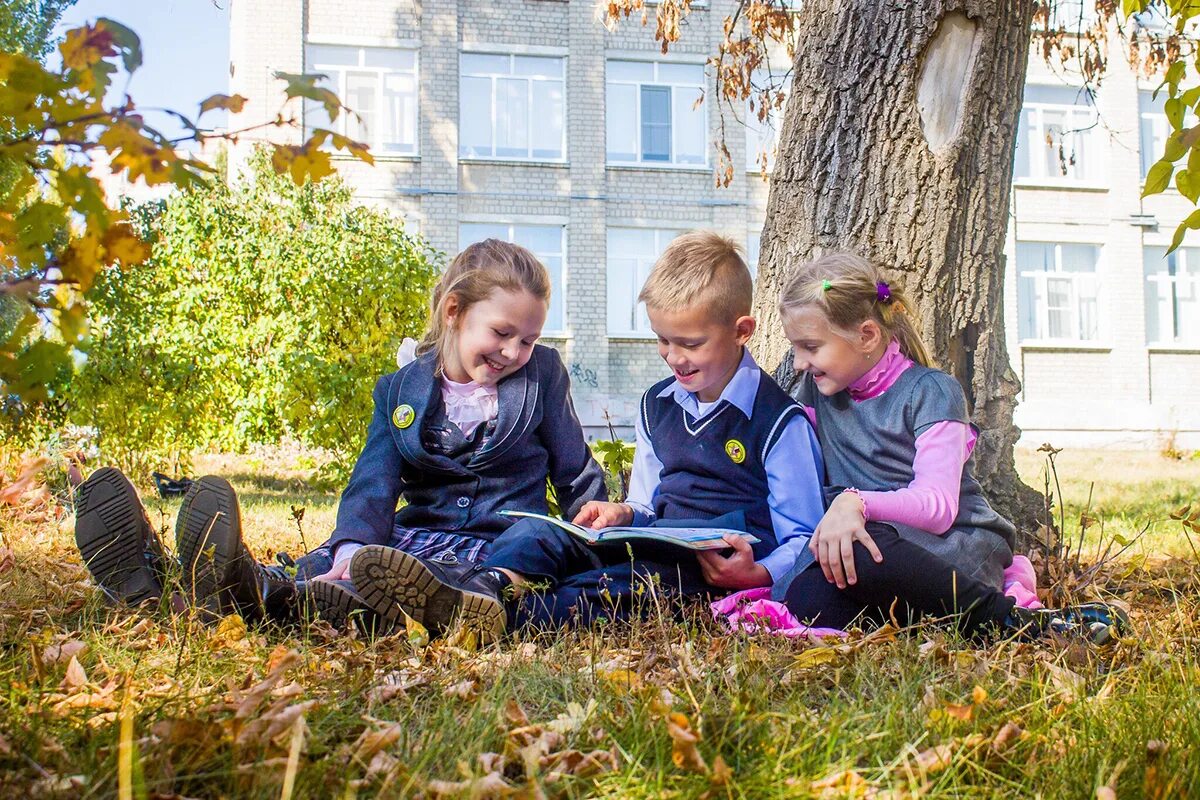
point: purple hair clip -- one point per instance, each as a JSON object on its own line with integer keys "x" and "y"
{"x": 883, "y": 292}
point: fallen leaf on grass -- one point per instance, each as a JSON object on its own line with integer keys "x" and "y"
{"x": 721, "y": 772}
{"x": 7, "y": 560}
{"x": 514, "y": 714}
{"x": 371, "y": 742}
{"x": 64, "y": 650}
{"x": 487, "y": 787}
{"x": 934, "y": 759}
{"x": 275, "y": 721}
{"x": 5, "y": 747}
{"x": 394, "y": 684}
{"x": 684, "y": 752}
{"x": 959, "y": 712}
{"x": 463, "y": 690}
{"x": 230, "y": 634}
{"x": 814, "y": 656}
{"x": 574, "y": 717}
{"x": 1009, "y": 733}
{"x": 844, "y": 784}
{"x": 577, "y": 764}
{"x": 75, "y": 678}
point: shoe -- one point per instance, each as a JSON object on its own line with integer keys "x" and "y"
{"x": 1097, "y": 623}
{"x": 436, "y": 592}
{"x": 220, "y": 576}
{"x": 169, "y": 487}
{"x": 118, "y": 544}
{"x": 339, "y": 604}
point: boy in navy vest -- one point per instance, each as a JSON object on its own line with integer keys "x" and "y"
{"x": 718, "y": 444}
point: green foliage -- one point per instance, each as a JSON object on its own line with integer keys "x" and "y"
{"x": 616, "y": 457}
{"x": 267, "y": 311}
{"x": 57, "y": 229}
{"x": 1184, "y": 140}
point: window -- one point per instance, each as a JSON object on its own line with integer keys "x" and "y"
{"x": 1172, "y": 295}
{"x": 378, "y": 83}
{"x": 1057, "y": 291}
{"x": 631, "y": 255}
{"x": 544, "y": 241}
{"x": 1154, "y": 128}
{"x": 652, "y": 113}
{"x": 1057, "y": 140}
{"x": 510, "y": 106}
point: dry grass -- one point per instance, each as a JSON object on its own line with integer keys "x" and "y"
{"x": 653, "y": 709}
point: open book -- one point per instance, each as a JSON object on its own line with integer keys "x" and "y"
{"x": 691, "y": 538}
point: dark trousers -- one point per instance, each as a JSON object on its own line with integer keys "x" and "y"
{"x": 585, "y": 583}
{"x": 909, "y": 583}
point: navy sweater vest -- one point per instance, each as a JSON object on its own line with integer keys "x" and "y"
{"x": 717, "y": 464}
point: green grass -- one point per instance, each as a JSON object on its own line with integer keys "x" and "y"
{"x": 785, "y": 718}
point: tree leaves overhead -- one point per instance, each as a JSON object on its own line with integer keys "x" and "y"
{"x": 58, "y": 229}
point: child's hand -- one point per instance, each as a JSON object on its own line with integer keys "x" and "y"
{"x": 738, "y": 571}
{"x": 597, "y": 515}
{"x": 833, "y": 540}
{"x": 338, "y": 572}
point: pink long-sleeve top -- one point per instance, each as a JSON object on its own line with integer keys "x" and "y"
{"x": 930, "y": 501}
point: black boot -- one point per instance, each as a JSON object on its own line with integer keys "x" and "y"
{"x": 338, "y": 603}
{"x": 117, "y": 541}
{"x": 220, "y": 576}
{"x": 1097, "y": 623}
{"x": 434, "y": 592}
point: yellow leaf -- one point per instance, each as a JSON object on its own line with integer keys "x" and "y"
{"x": 935, "y": 759}
{"x": 81, "y": 259}
{"x": 814, "y": 656}
{"x": 83, "y": 47}
{"x": 962, "y": 713}
{"x": 231, "y": 103}
{"x": 979, "y": 695}
{"x": 75, "y": 678}
{"x": 684, "y": 753}
{"x": 230, "y": 633}
{"x": 122, "y": 244}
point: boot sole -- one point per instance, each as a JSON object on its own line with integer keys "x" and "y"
{"x": 338, "y": 606}
{"x": 208, "y": 539}
{"x": 392, "y": 581}
{"x": 112, "y": 534}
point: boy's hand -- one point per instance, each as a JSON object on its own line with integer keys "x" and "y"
{"x": 597, "y": 515}
{"x": 338, "y": 572}
{"x": 738, "y": 571}
{"x": 833, "y": 540}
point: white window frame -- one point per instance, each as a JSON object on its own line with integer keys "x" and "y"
{"x": 1079, "y": 119}
{"x": 700, "y": 88}
{"x": 1151, "y": 151}
{"x": 558, "y": 292}
{"x": 630, "y": 309}
{"x": 337, "y": 74}
{"x": 1171, "y": 283}
{"x": 1042, "y": 310}
{"x": 533, "y": 119}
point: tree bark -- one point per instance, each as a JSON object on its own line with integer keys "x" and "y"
{"x": 897, "y": 144}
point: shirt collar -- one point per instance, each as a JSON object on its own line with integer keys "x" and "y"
{"x": 740, "y": 391}
{"x": 879, "y": 378}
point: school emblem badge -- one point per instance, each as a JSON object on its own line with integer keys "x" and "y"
{"x": 736, "y": 451}
{"x": 403, "y": 416}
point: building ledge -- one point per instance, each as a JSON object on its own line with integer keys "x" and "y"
{"x": 1063, "y": 186}
{"x": 633, "y": 337}
{"x": 659, "y": 168}
{"x": 1174, "y": 348}
{"x": 510, "y": 162}
{"x": 379, "y": 157}
{"x": 1067, "y": 347}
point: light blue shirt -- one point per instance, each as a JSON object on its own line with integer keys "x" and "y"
{"x": 794, "y": 471}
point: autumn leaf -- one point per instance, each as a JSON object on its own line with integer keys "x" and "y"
{"x": 684, "y": 753}
{"x": 488, "y": 787}
{"x": 121, "y": 243}
{"x": 814, "y": 656}
{"x": 85, "y": 46}
{"x": 232, "y": 103}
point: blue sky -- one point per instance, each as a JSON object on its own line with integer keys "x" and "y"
{"x": 185, "y": 48}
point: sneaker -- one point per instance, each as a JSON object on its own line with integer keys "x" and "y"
{"x": 118, "y": 544}
{"x": 220, "y": 576}
{"x": 338, "y": 603}
{"x": 1098, "y": 623}
{"x": 435, "y": 592}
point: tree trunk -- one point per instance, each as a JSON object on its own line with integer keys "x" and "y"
{"x": 897, "y": 144}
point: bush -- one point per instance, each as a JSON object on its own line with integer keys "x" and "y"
{"x": 267, "y": 311}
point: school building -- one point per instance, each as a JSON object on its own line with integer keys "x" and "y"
{"x": 528, "y": 120}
